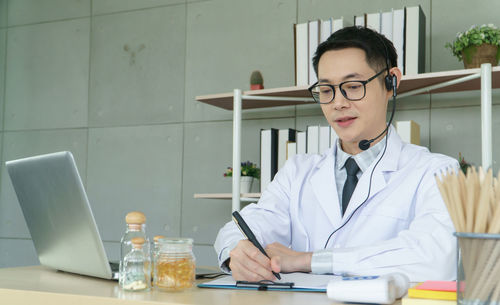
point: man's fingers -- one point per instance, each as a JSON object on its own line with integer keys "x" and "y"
{"x": 276, "y": 264}
{"x": 258, "y": 256}
{"x": 248, "y": 263}
{"x": 250, "y": 270}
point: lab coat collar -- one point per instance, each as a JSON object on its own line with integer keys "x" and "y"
{"x": 325, "y": 188}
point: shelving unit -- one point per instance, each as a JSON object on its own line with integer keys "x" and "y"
{"x": 485, "y": 79}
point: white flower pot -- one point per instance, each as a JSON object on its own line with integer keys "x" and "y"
{"x": 245, "y": 184}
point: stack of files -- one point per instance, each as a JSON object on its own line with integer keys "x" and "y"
{"x": 277, "y": 146}
{"x": 406, "y": 29}
{"x": 432, "y": 293}
{"x": 319, "y": 139}
{"x": 308, "y": 36}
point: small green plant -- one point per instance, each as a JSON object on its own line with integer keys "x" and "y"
{"x": 256, "y": 78}
{"x": 247, "y": 169}
{"x": 464, "y": 165}
{"x": 475, "y": 36}
{"x": 256, "y": 81}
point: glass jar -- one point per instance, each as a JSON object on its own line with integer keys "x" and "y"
{"x": 175, "y": 264}
{"x": 136, "y": 268}
{"x": 154, "y": 253}
{"x": 136, "y": 227}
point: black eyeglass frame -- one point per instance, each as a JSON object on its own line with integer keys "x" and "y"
{"x": 363, "y": 82}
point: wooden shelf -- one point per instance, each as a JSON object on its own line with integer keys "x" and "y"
{"x": 226, "y": 196}
{"x": 408, "y": 83}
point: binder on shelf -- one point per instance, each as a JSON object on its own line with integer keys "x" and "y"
{"x": 301, "y": 54}
{"x": 268, "y": 156}
{"x": 360, "y": 20}
{"x": 324, "y": 138}
{"x": 284, "y": 136}
{"x": 314, "y": 35}
{"x": 373, "y": 21}
{"x": 302, "y": 142}
{"x": 340, "y": 24}
{"x": 386, "y": 24}
{"x": 415, "y": 41}
{"x": 398, "y": 36}
{"x": 326, "y": 29}
{"x": 312, "y": 139}
{"x": 409, "y": 131}
{"x": 291, "y": 149}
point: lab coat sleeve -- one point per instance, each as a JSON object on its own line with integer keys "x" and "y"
{"x": 424, "y": 251}
{"x": 269, "y": 219}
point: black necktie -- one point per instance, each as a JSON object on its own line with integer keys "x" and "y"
{"x": 350, "y": 182}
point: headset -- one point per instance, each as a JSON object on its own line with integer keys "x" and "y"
{"x": 390, "y": 84}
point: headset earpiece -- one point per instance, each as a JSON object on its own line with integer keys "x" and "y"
{"x": 388, "y": 82}
{"x": 394, "y": 85}
{"x": 391, "y": 83}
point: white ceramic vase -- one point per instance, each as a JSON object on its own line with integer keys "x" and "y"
{"x": 246, "y": 184}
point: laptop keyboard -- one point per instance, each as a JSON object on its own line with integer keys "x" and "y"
{"x": 114, "y": 266}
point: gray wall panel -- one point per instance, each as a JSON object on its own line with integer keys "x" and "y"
{"x": 137, "y": 67}
{"x": 135, "y": 168}
{"x": 47, "y": 75}
{"x": 218, "y": 35}
{"x": 34, "y": 11}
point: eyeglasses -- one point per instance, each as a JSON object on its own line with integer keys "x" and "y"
{"x": 353, "y": 90}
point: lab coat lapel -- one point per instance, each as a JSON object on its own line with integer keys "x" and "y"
{"x": 324, "y": 187}
{"x": 388, "y": 163}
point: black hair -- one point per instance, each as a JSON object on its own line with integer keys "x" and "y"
{"x": 379, "y": 51}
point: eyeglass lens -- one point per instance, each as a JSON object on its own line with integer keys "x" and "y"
{"x": 350, "y": 90}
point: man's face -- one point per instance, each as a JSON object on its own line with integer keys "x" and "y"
{"x": 353, "y": 121}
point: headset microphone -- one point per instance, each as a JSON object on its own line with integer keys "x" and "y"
{"x": 365, "y": 144}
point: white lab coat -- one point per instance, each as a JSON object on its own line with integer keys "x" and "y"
{"x": 402, "y": 227}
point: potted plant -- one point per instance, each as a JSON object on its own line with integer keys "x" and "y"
{"x": 477, "y": 45}
{"x": 249, "y": 171}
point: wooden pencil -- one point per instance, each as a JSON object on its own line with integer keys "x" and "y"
{"x": 473, "y": 202}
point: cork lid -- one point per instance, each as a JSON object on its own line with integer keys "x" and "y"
{"x": 138, "y": 241}
{"x": 135, "y": 217}
{"x": 158, "y": 237}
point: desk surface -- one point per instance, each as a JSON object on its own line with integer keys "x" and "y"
{"x": 40, "y": 285}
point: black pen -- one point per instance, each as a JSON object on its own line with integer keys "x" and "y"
{"x": 242, "y": 225}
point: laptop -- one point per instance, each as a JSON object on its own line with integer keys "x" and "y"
{"x": 58, "y": 215}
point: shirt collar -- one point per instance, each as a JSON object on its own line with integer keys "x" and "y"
{"x": 364, "y": 159}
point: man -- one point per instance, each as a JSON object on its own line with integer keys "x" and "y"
{"x": 349, "y": 210}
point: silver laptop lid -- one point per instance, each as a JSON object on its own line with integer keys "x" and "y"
{"x": 58, "y": 214}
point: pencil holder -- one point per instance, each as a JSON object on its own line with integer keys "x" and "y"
{"x": 478, "y": 276}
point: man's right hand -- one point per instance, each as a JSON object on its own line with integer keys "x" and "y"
{"x": 247, "y": 263}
